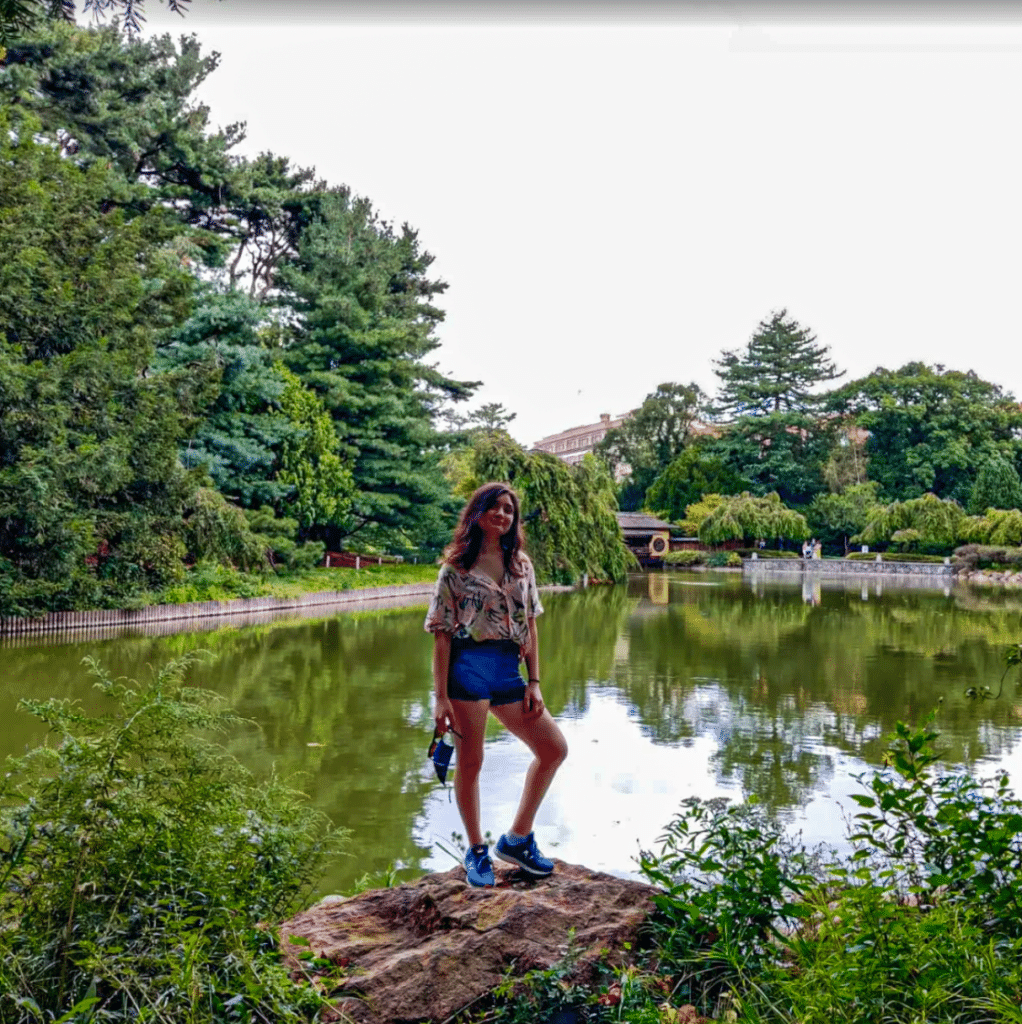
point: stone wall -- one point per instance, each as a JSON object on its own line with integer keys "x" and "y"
{"x": 842, "y": 567}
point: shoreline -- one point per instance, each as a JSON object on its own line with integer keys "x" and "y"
{"x": 241, "y": 611}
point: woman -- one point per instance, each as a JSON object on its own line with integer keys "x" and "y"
{"x": 483, "y": 620}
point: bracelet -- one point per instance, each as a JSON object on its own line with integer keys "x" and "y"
{"x": 533, "y": 680}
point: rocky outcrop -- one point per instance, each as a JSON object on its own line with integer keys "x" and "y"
{"x": 424, "y": 950}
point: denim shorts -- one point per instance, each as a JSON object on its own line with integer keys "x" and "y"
{"x": 485, "y": 670}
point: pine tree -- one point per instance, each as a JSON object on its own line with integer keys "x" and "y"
{"x": 997, "y": 486}
{"x": 365, "y": 317}
{"x": 775, "y": 373}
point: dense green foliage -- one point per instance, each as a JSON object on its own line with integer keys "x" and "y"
{"x": 835, "y": 518}
{"x": 656, "y": 433}
{"x": 997, "y": 486}
{"x": 172, "y": 317}
{"x": 141, "y": 866}
{"x": 698, "y": 512}
{"x": 88, "y": 437}
{"x": 366, "y": 320}
{"x": 933, "y": 523}
{"x": 686, "y": 479}
{"x": 931, "y": 429}
{"x": 771, "y": 435}
{"x": 998, "y": 526}
{"x": 240, "y": 437}
{"x": 782, "y": 452}
{"x": 568, "y": 511}
{"x": 746, "y": 517}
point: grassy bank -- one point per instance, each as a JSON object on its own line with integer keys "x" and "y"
{"x": 220, "y": 583}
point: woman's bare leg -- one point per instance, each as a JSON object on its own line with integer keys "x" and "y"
{"x": 543, "y": 737}
{"x": 471, "y": 716}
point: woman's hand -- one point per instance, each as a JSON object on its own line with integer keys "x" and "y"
{"x": 532, "y": 701}
{"x": 443, "y": 715}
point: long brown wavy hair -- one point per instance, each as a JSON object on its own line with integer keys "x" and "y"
{"x": 468, "y": 537}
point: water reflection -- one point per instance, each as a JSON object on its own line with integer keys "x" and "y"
{"x": 669, "y": 686}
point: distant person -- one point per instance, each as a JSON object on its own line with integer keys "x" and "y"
{"x": 483, "y": 620}
{"x": 805, "y": 550}
{"x": 818, "y": 550}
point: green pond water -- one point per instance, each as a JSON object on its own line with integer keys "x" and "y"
{"x": 670, "y": 686}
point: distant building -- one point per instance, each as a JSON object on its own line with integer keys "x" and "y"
{"x": 573, "y": 444}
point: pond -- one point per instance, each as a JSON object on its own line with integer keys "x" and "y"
{"x": 670, "y": 686}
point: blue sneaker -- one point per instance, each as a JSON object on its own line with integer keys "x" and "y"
{"x": 525, "y": 855}
{"x": 479, "y": 867}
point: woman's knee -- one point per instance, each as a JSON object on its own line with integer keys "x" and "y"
{"x": 470, "y": 763}
{"x": 554, "y": 752}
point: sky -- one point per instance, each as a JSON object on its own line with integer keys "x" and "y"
{"x": 615, "y": 193}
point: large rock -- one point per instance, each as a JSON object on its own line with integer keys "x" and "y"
{"x": 421, "y": 951}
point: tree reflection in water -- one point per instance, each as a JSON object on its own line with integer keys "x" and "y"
{"x": 702, "y": 683}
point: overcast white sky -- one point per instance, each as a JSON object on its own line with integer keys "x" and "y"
{"x": 614, "y": 200}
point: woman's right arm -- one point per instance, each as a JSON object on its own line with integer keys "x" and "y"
{"x": 443, "y": 711}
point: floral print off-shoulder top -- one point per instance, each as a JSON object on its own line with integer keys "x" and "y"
{"x": 471, "y": 605}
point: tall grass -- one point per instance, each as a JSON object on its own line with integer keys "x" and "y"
{"x": 142, "y": 868}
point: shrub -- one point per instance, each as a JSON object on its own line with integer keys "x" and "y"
{"x": 139, "y": 863}
{"x": 728, "y": 879}
{"x": 980, "y": 556}
{"x": 765, "y": 553}
{"x": 894, "y": 556}
{"x": 734, "y": 560}
{"x": 922, "y": 921}
{"x": 686, "y": 557}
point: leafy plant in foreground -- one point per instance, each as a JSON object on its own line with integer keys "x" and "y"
{"x": 921, "y": 922}
{"x": 729, "y": 882}
{"x": 945, "y": 838}
{"x": 140, "y": 865}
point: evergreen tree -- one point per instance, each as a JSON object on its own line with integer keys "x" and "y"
{"x": 365, "y": 318}
{"x": 18, "y": 16}
{"x": 997, "y": 486}
{"x": 130, "y": 104}
{"x": 775, "y": 373}
{"x": 783, "y": 452}
{"x": 88, "y": 436}
{"x": 320, "y": 480}
{"x": 243, "y": 429}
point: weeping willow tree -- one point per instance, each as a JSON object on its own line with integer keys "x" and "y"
{"x": 926, "y": 522}
{"x": 997, "y": 527}
{"x": 744, "y": 517}
{"x": 568, "y": 511}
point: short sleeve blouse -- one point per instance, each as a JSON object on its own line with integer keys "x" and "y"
{"x": 471, "y": 605}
